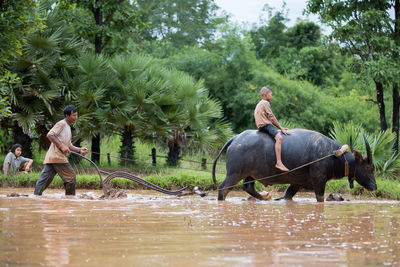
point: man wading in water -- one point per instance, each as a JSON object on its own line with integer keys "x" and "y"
{"x": 56, "y": 161}
{"x": 265, "y": 120}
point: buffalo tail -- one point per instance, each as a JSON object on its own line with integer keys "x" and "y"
{"x": 219, "y": 154}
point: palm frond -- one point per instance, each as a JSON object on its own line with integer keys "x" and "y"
{"x": 382, "y": 147}
{"x": 391, "y": 168}
{"x": 41, "y": 45}
{"x": 341, "y": 132}
{"x": 26, "y": 120}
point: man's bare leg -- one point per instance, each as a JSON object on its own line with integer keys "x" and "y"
{"x": 278, "y": 145}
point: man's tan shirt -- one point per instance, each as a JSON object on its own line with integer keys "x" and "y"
{"x": 263, "y": 114}
{"x": 62, "y": 131}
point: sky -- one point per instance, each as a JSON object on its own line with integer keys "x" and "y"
{"x": 250, "y": 10}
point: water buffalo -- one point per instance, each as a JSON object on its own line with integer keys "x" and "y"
{"x": 251, "y": 156}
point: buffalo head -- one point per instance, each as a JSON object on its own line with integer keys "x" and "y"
{"x": 364, "y": 168}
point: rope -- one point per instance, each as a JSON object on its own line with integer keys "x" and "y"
{"x": 129, "y": 176}
{"x": 97, "y": 168}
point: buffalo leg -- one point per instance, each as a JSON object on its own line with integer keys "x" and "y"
{"x": 248, "y": 186}
{"x": 290, "y": 192}
{"x": 319, "y": 189}
{"x": 225, "y": 187}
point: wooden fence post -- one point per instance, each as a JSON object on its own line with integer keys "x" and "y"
{"x": 109, "y": 159}
{"x": 204, "y": 163}
{"x": 154, "y": 156}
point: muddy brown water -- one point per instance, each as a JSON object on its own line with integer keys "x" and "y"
{"x": 149, "y": 229}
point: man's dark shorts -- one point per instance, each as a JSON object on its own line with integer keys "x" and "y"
{"x": 269, "y": 129}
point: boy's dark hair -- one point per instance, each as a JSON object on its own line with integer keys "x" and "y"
{"x": 69, "y": 109}
{"x": 14, "y": 147}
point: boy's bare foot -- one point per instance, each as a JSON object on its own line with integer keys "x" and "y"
{"x": 281, "y": 167}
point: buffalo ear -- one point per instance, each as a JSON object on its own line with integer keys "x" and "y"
{"x": 357, "y": 156}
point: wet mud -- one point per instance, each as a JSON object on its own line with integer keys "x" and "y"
{"x": 149, "y": 229}
{"x": 113, "y": 193}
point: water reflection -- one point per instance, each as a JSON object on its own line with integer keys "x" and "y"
{"x": 148, "y": 229}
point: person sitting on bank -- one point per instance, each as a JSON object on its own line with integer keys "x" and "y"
{"x": 265, "y": 121}
{"x": 56, "y": 161}
{"x": 15, "y": 162}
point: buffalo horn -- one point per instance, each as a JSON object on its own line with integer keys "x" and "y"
{"x": 351, "y": 144}
{"x": 369, "y": 154}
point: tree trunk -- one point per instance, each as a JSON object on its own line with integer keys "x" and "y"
{"x": 396, "y": 100}
{"x": 395, "y": 116}
{"x": 98, "y": 39}
{"x": 381, "y": 105}
{"x": 96, "y": 148}
{"x": 127, "y": 147}
{"x": 44, "y": 142}
{"x": 24, "y": 140}
{"x": 98, "y": 17}
{"x": 173, "y": 154}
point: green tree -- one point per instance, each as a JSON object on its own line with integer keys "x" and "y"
{"x": 16, "y": 21}
{"x": 226, "y": 66}
{"x": 367, "y": 31}
{"x": 104, "y": 25}
{"x": 195, "y": 114}
{"x": 5, "y": 83}
{"x": 137, "y": 99}
{"x": 268, "y": 38}
{"x": 40, "y": 91}
{"x": 303, "y": 34}
{"x": 106, "y": 32}
{"x": 180, "y": 22}
{"x": 91, "y": 84}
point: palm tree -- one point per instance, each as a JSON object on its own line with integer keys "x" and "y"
{"x": 92, "y": 84}
{"x": 136, "y": 97}
{"x": 196, "y": 113}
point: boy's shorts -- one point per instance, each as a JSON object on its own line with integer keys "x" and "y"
{"x": 269, "y": 129}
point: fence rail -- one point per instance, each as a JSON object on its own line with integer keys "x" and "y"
{"x": 154, "y": 157}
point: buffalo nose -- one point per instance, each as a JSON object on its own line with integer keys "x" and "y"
{"x": 373, "y": 187}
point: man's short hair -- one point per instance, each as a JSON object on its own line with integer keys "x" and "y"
{"x": 14, "y": 147}
{"x": 69, "y": 109}
{"x": 265, "y": 90}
